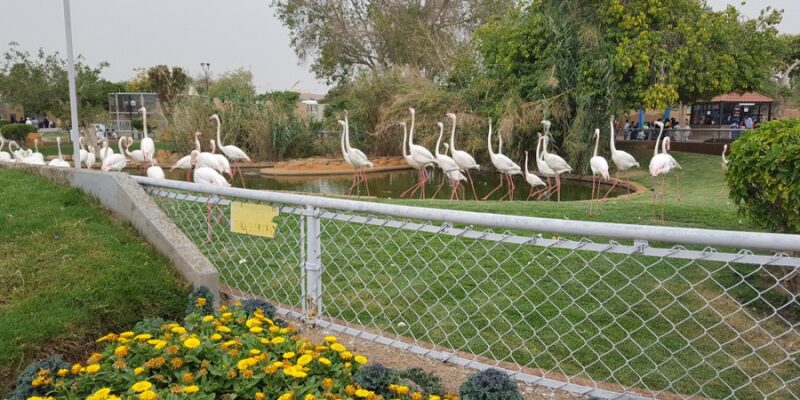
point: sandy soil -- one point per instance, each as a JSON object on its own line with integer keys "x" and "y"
{"x": 331, "y": 166}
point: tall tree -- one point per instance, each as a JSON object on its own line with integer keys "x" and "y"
{"x": 340, "y": 36}
{"x": 169, "y": 84}
{"x": 233, "y": 85}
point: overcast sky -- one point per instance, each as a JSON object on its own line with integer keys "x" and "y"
{"x": 228, "y": 34}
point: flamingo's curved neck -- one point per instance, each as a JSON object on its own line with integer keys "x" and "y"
{"x": 660, "y": 132}
{"x": 347, "y": 133}
{"x": 545, "y": 140}
{"x": 500, "y": 146}
{"x": 219, "y": 129}
{"x": 119, "y": 144}
{"x": 613, "y": 148}
{"x": 439, "y": 140}
{"x": 197, "y": 142}
{"x": 526, "y": 164}
{"x": 3, "y": 143}
{"x": 596, "y": 143}
{"x": 453, "y": 136}
{"x": 344, "y": 131}
{"x": 213, "y": 146}
{"x": 489, "y": 140}
{"x": 411, "y": 133}
{"x": 538, "y": 149}
{"x": 83, "y": 145}
{"x": 144, "y": 121}
{"x": 36, "y": 145}
{"x": 58, "y": 144}
{"x": 664, "y": 144}
{"x": 405, "y": 136}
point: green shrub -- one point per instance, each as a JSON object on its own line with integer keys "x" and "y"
{"x": 201, "y": 301}
{"x": 3, "y": 123}
{"x": 763, "y": 175}
{"x": 490, "y": 384}
{"x": 251, "y": 305}
{"x": 428, "y": 382}
{"x": 150, "y": 325}
{"x": 18, "y": 132}
{"x": 375, "y": 377}
{"x": 29, "y": 382}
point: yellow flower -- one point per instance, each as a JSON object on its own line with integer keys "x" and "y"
{"x": 347, "y": 355}
{"x": 178, "y": 330}
{"x": 201, "y": 301}
{"x": 278, "y": 340}
{"x": 260, "y": 396}
{"x": 327, "y": 382}
{"x": 310, "y": 397}
{"x": 94, "y": 358}
{"x": 148, "y": 395}
{"x": 400, "y": 389}
{"x": 361, "y": 359}
{"x": 246, "y": 363}
{"x": 338, "y": 347}
{"x": 416, "y": 396}
{"x": 363, "y": 393}
{"x": 256, "y": 329}
{"x": 157, "y": 343}
{"x": 141, "y": 386}
{"x": 434, "y": 397}
{"x": 289, "y": 355}
{"x": 227, "y": 314}
{"x": 138, "y": 370}
{"x": 92, "y": 368}
{"x": 255, "y": 352}
{"x": 108, "y": 338}
{"x": 274, "y": 329}
{"x": 76, "y": 368}
{"x": 216, "y": 337}
{"x": 191, "y": 389}
{"x": 191, "y": 343}
{"x": 39, "y": 381}
{"x": 208, "y": 318}
{"x": 304, "y": 360}
{"x": 330, "y": 339}
{"x": 324, "y": 361}
{"x": 41, "y": 398}
{"x": 286, "y": 396}
{"x": 253, "y": 322}
{"x": 62, "y": 372}
{"x": 224, "y": 329}
{"x": 127, "y": 335}
{"x": 121, "y": 351}
{"x": 100, "y": 394}
{"x": 295, "y": 371}
{"x": 142, "y": 337}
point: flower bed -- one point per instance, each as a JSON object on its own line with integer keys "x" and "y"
{"x": 229, "y": 353}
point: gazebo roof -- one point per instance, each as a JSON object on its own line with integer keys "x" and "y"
{"x": 747, "y": 97}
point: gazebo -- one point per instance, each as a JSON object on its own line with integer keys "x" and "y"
{"x": 725, "y": 109}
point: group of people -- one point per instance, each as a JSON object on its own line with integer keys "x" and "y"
{"x": 44, "y": 123}
{"x": 649, "y": 130}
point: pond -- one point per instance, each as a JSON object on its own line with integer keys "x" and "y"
{"x": 391, "y": 184}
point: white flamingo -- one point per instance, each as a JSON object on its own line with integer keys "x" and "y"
{"x": 83, "y": 153}
{"x": 622, "y": 160}
{"x": 660, "y": 165}
{"x": 185, "y": 162}
{"x": 115, "y": 161}
{"x": 233, "y": 153}
{"x": 504, "y": 165}
{"x": 38, "y": 156}
{"x": 136, "y": 155}
{"x": 356, "y": 158}
{"x": 90, "y": 158}
{"x": 464, "y": 160}
{"x": 222, "y": 161}
{"x": 5, "y": 156}
{"x": 105, "y": 151}
{"x": 419, "y": 153}
{"x": 554, "y": 161}
{"x": 599, "y": 166}
{"x": 154, "y": 171}
{"x": 208, "y": 176}
{"x": 532, "y": 179}
{"x": 455, "y": 178}
{"x": 58, "y": 162}
{"x": 147, "y": 146}
{"x": 412, "y": 162}
{"x": 445, "y": 162}
{"x": 18, "y": 154}
{"x": 544, "y": 169}
{"x": 724, "y": 160}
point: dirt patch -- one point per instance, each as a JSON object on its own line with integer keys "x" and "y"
{"x": 332, "y": 166}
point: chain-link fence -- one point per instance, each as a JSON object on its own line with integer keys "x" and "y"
{"x": 579, "y": 311}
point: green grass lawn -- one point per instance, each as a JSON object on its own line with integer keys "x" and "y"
{"x": 662, "y": 324}
{"x": 69, "y": 273}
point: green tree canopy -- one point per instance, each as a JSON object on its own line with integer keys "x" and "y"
{"x": 169, "y": 84}
{"x": 233, "y": 85}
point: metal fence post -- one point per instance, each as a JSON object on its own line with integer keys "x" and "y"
{"x": 313, "y": 266}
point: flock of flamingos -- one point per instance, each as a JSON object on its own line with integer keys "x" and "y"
{"x": 209, "y": 167}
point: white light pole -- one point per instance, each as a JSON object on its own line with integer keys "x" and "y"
{"x": 73, "y": 92}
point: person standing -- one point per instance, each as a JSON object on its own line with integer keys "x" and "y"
{"x": 748, "y": 122}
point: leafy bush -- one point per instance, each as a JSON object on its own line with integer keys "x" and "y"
{"x": 763, "y": 175}
{"x": 226, "y": 354}
{"x": 489, "y": 384}
{"x": 31, "y": 382}
{"x": 375, "y": 377}
{"x": 251, "y": 305}
{"x": 149, "y": 325}
{"x": 18, "y": 132}
{"x": 428, "y": 382}
{"x": 201, "y": 300}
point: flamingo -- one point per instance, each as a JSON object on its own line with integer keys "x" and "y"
{"x": 356, "y": 157}
{"x": 503, "y": 164}
{"x": 599, "y": 166}
{"x": 38, "y": 156}
{"x": 186, "y": 161}
{"x": 58, "y": 162}
{"x": 233, "y": 153}
{"x": 18, "y": 154}
{"x": 136, "y": 155}
{"x": 724, "y": 160}
{"x": 105, "y": 151}
{"x": 532, "y": 179}
{"x": 455, "y": 178}
{"x": 419, "y": 153}
{"x": 83, "y": 153}
{"x": 542, "y": 166}
{"x": 147, "y": 146}
{"x": 222, "y": 161}
{"x": 90, "y": 158}
{"x": 5, "y": 156}
{"x": 413, "y": 163}
{"x": 115, "y": 161}
{"x": 208, "y": 176}
{"x": 464, "y": 160}
{"x": 154, "y": 171}
{"x": 555, "y": 162}
{"x": 445, "y": 162}
{"x": 622, "y": 160}
{"x": 661, "y": 164}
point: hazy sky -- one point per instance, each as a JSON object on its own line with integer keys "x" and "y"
{"x": 228, "y": 34}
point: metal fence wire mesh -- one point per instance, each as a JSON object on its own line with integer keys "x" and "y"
{"x": 592, "y": 316}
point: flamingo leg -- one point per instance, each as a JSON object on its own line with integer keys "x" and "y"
{"x": 537, "y": 193}
{"x": 241, "y": 175}
{"x": 511, "y": 187}
{"x": 558, "y": 186}
{"x": 463, "y": 191}
{"x": 208, "y": 223}
{"x": 591, "y": 201}
{"x": 453, "y": 191}
{"x": 413, "y": 188}
{"x": 438, "y": 188}
{"x": 678, "y": 183}
{"x": 502, "y": 177}
{"x": 366, "y": 181}
{"x": 663, "y": 196}
{"x": 474, "y": 194}
{"x": 616, "y": 181}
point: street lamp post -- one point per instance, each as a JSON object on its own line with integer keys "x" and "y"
{"x": 73, "y": 92}
{"x": 206, "y": 66}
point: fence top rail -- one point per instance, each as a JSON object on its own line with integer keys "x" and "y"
{"x": 707, "y": 237}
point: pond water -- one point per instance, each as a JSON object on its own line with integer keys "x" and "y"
{"x": 392, "y": 184}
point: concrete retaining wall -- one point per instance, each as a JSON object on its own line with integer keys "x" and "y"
{"x": 126, "y": 199}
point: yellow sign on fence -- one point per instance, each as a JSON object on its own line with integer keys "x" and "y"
{"x": 253, "y": 219}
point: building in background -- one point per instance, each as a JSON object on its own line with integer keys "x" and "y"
{"x": 732, "y": 108}
{"x": 124, "y": 109}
